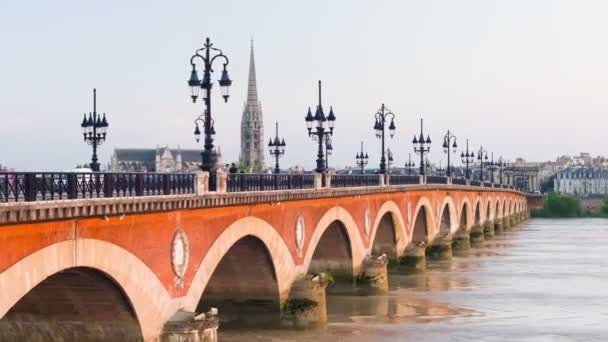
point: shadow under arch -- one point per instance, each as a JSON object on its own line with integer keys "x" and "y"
{"x": 333, "y": 253}
{"x": 477, "y": 216}
{"x": 147, "y": 295}
{"x": 388, "y": 215}
{"x": 357, "y": 250}
{"x": 283, "y": 263}
{"x": 78, "y": 303}
{"x": 488, "y": 216}
{"x": 421, "y": 224}
{"x": 445, "y": 223}
{"x": 464, "y": 216}
{"x": 385, "y": 238}
{"x": 244, "y": 285}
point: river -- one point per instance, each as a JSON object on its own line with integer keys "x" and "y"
{"x": 547, "y": 280}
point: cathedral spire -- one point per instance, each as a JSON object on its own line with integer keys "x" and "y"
{"x": 252, "y": 89}
{"x": 252, "y": 124}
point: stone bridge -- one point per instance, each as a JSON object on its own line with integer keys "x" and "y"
{"x": 136, "y": 268}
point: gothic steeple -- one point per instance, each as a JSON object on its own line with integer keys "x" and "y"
{"x": 252, "y": 123}
{"x": 252, "y": 89}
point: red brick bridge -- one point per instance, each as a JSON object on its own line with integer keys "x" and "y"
{"x": 134, "y": 264}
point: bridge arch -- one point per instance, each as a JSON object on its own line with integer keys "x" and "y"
{"x": 497, "y": 210}
{"x": 477, "y": 215}
{"x": 348, "y": 227}
{"x": 465, "y": 215}
{"x": 148, "y": 298}
{"x": 282, "y": 261}
{"x": 78, "y": 303}
{"x": 488, "y": 212}
{"x": 423, "y": 223}
{"x": 388, "y": 228}
{"x": 447, "y": 220}
{"x": 244, "y": 285}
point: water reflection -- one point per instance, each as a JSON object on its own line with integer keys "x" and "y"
{"x": 546, "y": 281}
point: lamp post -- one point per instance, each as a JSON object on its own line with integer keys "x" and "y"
{"x": 277, "y": 148}
{"x": 203, "y": 88}
{"x": 467, "y": 158}
{"x": 94, "y": 130}
{"x": 482, "y": 155}
{"x": 500, "y": 164}
{"x": 329, "y": 149}
{"x": 362, "y": 159}
{"x": 439, "y": 169}
{"x": 492, "y": 165}
{"x": 389, "y": 159}
{"x": 449, "y": 139}
{"x": 320, "y": 128}
{"x": 382, "y": 117}
{"x": 409, "y": 164}
{"x": 424, "y": 147}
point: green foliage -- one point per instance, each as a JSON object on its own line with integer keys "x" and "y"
{"x": 244, "y": 168}
{"x": 602, "y": 211}
{"x": 559, "y": 206}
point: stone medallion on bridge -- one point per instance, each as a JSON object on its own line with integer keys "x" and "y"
{"x": 366, "y": 223}
{"x": 180, "y": 254}
{"x": 299, "y": 235}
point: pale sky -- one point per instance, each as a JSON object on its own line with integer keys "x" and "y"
{"x": 524, "y": 78}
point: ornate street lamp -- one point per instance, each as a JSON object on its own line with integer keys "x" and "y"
{"x": 202, "y": 88}
{"x": 329, "y": 149}
{"x": 449, "y": 139}
{"x": 94, "y": 130}
{"x": 389, "y": 159}
{"x": 382, "y": 117}
{"x": 491, "y": 166}
{"x": 320, "y": 129}
{"x": 500, "y": 164}
{"x": 467, "y": 159}
{"x": 482, "y": 155}
{"x": 424, "y": 147}
{"x": 362, "y": 159}
{"x": 277, "y": 148}
{"x": 409, "y": 165}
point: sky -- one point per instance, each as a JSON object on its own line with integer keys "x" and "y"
{"x": 523, "y": 78}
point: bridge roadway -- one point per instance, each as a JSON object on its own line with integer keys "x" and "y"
{"x": 137, "y": 268}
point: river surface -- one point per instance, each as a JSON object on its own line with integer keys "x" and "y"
{"x": 547, "y": 280}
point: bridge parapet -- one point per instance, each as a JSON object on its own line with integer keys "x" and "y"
{"x": 44, "y": 210}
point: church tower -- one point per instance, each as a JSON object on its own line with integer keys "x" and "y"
{"x": 252, "y": 124}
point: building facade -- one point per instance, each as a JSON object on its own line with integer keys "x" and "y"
{"x": 252, "y": 125}
{"x": 159, "y": 159}
{"x": 582, "y": 181}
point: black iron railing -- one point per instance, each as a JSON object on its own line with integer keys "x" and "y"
{"x": 239, "y": 182}
{"x": 436, "y": 180}
{"x": 404, "y": 180}
{"x": 42, "y": 186}
{"x": 459, "y": 181}
{"x": 475, "y": 183}
{"x": 347, "y": 181}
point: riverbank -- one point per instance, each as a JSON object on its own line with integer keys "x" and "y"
{"x": 558, "y": 206}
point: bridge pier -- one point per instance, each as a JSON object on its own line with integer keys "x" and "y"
{"x": 440, "y": 249}
{"x": 461, "y": 241}
{"x": 506, "y": 223}
{"x": 476, "y": 235}
{"x": 307, "y": 304}
{"x": 373, "y": 278}
{"x": 498, "y": 229}
{"x": 186, "y": 327}
{"x": 414, "y": 259}
{"x": 488, "y": 230}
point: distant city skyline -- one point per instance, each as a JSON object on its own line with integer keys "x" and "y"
{"x": 523, "y": 79}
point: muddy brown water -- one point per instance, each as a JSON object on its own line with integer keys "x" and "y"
{"x": 547, "y": 280}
